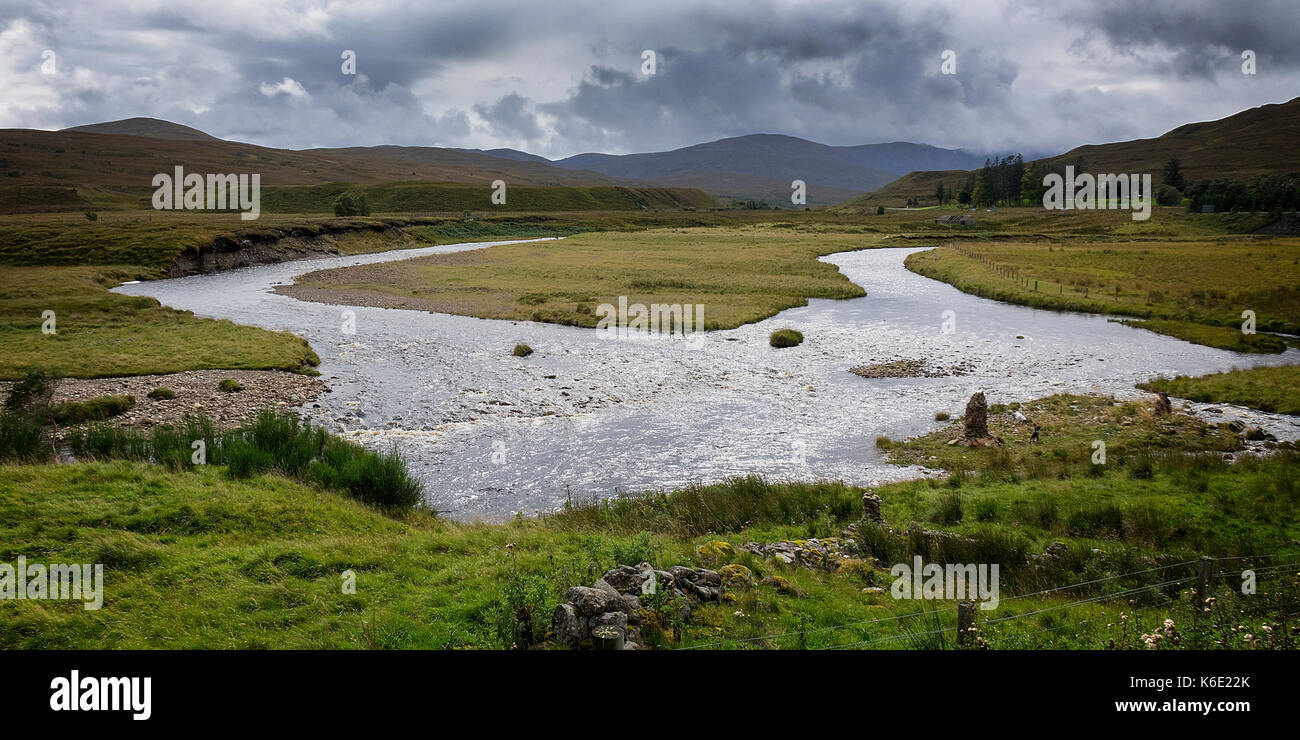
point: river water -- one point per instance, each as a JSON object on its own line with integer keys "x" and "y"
{"x": 588, "y": 416}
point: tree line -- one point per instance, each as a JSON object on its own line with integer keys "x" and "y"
{"x": 1010, "y": 181}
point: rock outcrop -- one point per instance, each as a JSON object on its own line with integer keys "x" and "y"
{"x": 614, "y": 601}
{"x": 817, "y": 554}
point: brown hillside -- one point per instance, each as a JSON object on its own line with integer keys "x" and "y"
{"x": 94, "y": 166}
{"x": 1253, "y": 142}
{"x": 151, "y": 127}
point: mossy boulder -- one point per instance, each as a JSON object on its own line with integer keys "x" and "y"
{"x": 782, "y": 585}
{"x": 715, "y": 551}
{"x": 735, "y": 577}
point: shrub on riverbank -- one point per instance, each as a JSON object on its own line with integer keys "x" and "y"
{"x": 785, "y": 338}
{"x": 31, "y": 393}
{"x": 273, "y": 442}
{"x": 95, "y": 409}
{"x": 21, "y": 438}
{"x": 729, "y": 506}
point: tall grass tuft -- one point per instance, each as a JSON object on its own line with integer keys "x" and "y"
{"x": 729, "y": 506}
{"x": 274, "y": 441}
{"x": 20, "y": 438}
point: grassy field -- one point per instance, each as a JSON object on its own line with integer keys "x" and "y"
{"x": 198, "y": 559}
{"x": 1274, "y": 389}
{"x": 98, "y": 333}
{"x": 152, "y": 240}
{"x": 740, "y": 275}
{"x": 443, "y": 197}
{"x": 1189, "y": 288}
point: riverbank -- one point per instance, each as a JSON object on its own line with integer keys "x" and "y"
{"x": 169, "y": 398}
{"x": 212, "y": 561}
{"x": 1196, "y": 290}
{"x": 1272, "y": 389}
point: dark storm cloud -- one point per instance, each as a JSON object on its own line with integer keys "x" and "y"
{"x": 511, "y": 117}
{"x": 562, "y": 78}
{"x": 1202, "y": 38}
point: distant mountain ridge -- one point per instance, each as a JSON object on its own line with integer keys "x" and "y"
{"x": 774, "y": 161}
{"x": 112, "y": 165}
{"x": 762, "y": 166}
{"x": 150, "y": 127}
{"x": 752, "y": 167}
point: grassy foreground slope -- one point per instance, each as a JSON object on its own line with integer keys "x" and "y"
{"x": 198, "y": 559}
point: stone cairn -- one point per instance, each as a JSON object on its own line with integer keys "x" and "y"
{"x": 976, "y": 422}
{"x": 608, "y": 614}
{"x": 977, "y": 418}
{"x": 871, "y": 508}
{"x": 1163, "y": 406}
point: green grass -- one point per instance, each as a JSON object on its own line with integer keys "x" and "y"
{"x": 22, "y": 438}
{"x": 205, "y": 561}
{"x": 272, "y": 441}
{"x": 200, "y": 557}
{"x": 1176, "y": 282}
{"x": 740, "y": 274}
{"x": 442, "y": 197}
{"x": 1273, "y": 389}
{"x": 1069, "y": 425}
{"x": 785, "y": 338}
{"x": 95, "y": 409}
{"x": 101, "y": 334}
{"x": 1220, "y": 337}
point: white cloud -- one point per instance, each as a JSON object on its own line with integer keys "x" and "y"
{"x": 287, "y": 86}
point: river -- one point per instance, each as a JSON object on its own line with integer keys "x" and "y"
{"x": 588, "y": 417}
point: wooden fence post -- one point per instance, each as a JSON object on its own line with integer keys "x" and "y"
{"x": 1204, "y": 578}
{"x": 965, "y": 622}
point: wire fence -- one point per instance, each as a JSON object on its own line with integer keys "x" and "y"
{"x": 996, "y": 622}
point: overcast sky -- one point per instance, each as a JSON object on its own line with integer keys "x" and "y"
{"x": 562, "y": 77}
